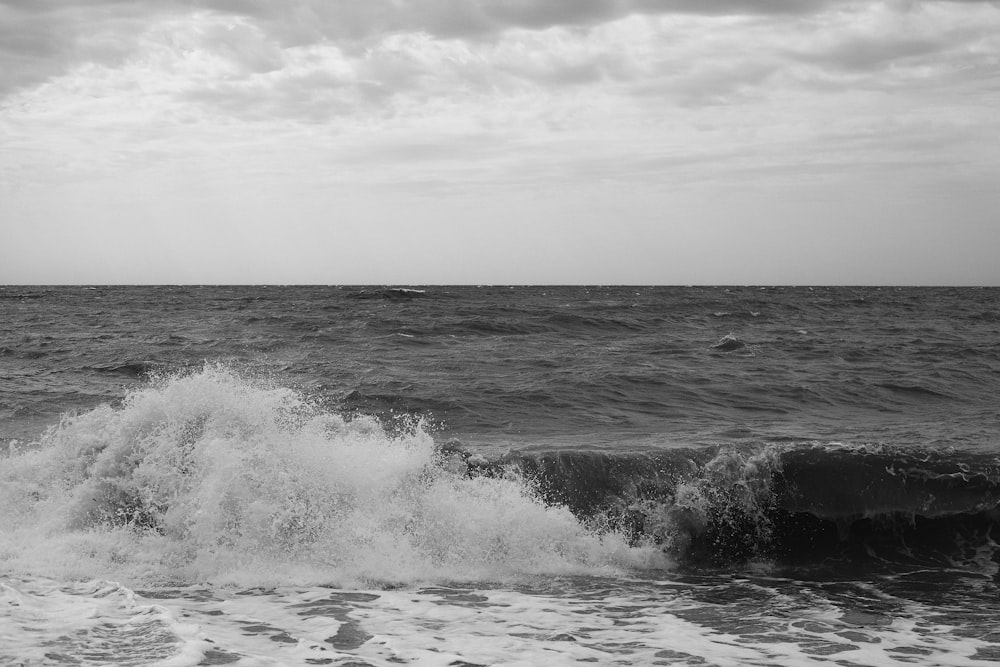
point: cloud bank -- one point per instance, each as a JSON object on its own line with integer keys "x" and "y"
{"x": 255, "y": 110}
{"x": 40, "y": 39}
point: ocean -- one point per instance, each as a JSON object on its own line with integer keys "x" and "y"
{"x": 465, "y": 476}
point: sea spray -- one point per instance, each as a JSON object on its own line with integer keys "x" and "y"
{"x": 725, "y": 512}
{"x": 214, "y": 476}
{"x": 713, "y": 504}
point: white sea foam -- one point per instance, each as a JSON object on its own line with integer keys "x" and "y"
{"x": 95, "y": 622}
{"x": 769, "y": 622}
{"x": 214, "y": 477}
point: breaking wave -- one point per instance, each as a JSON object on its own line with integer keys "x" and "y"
{"x": 212, "y": 476}
{"x": 787, "y": 501}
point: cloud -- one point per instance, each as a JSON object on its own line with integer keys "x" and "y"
{"x": 263, "y": 57}
{"x": 43, "y": 38}
{"x": 471, "y": 19}
{"x": 554, "y": 84}
{"x": 900, "y": 36}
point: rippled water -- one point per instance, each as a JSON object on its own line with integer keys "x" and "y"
{"x": 473, "y": 476}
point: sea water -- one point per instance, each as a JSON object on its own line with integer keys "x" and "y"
{"x": 509, "y": 476}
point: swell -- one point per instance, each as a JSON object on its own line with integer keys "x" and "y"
{"x": 824, "y": 362}
{"x": 788, "y": 501}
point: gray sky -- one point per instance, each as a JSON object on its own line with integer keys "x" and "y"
{"x": 499, "y": 141}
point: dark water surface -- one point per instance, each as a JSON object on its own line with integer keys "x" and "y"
{"x": 598, "y": 366}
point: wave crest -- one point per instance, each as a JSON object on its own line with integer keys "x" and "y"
{"x": 214, "y": 476}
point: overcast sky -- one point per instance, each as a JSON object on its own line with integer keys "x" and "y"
{"x": 499, "y": 141}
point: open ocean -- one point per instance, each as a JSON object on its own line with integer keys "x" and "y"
{"x": 463, "y": 476}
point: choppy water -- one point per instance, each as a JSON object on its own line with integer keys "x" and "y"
{"x": 459, "y": 476}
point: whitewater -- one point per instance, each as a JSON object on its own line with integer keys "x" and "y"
{"x": 496, "y": 476}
